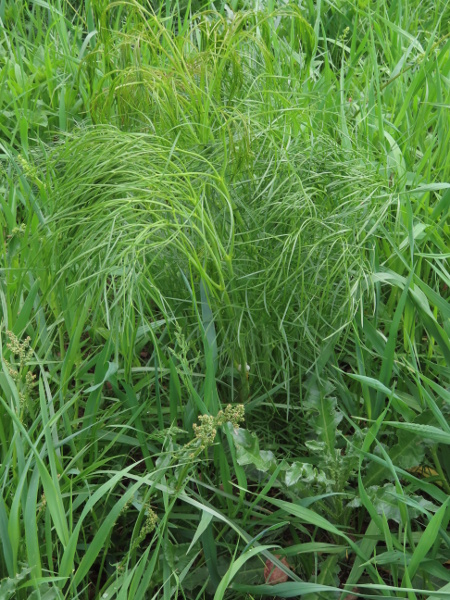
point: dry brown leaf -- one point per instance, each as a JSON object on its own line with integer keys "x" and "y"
{"x": 273, "y": 574}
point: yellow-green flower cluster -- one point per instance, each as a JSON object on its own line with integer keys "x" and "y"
{"x": 207, "y": 430}
{"x": 24, "y": 353}
{"x": 150, "y": 522}
{"x": 232, "y": 414}
{"x": 148, "y": 526}
{"x": 20, "y": 349}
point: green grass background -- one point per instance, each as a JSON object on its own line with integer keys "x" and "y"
{"x": 207, "y": 204}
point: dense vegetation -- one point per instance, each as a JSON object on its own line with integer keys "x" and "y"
{"x": 225, "y": 317}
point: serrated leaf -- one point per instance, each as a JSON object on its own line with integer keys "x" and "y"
{"x": 304, "y": 472}
{"x": 8, "y": 586}
{"x": 387, "y": 501}
{"x": 325, "y": 415}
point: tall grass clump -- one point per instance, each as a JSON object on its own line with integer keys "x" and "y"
{"x": 224, "y": 187}
{"x": 225, "y": 327}
{"x": 284, "y": 255}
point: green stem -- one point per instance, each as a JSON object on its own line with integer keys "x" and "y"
{"x": 440, "y": 471}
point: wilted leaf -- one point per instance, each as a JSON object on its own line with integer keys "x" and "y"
{"x": 273, "y": 574}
